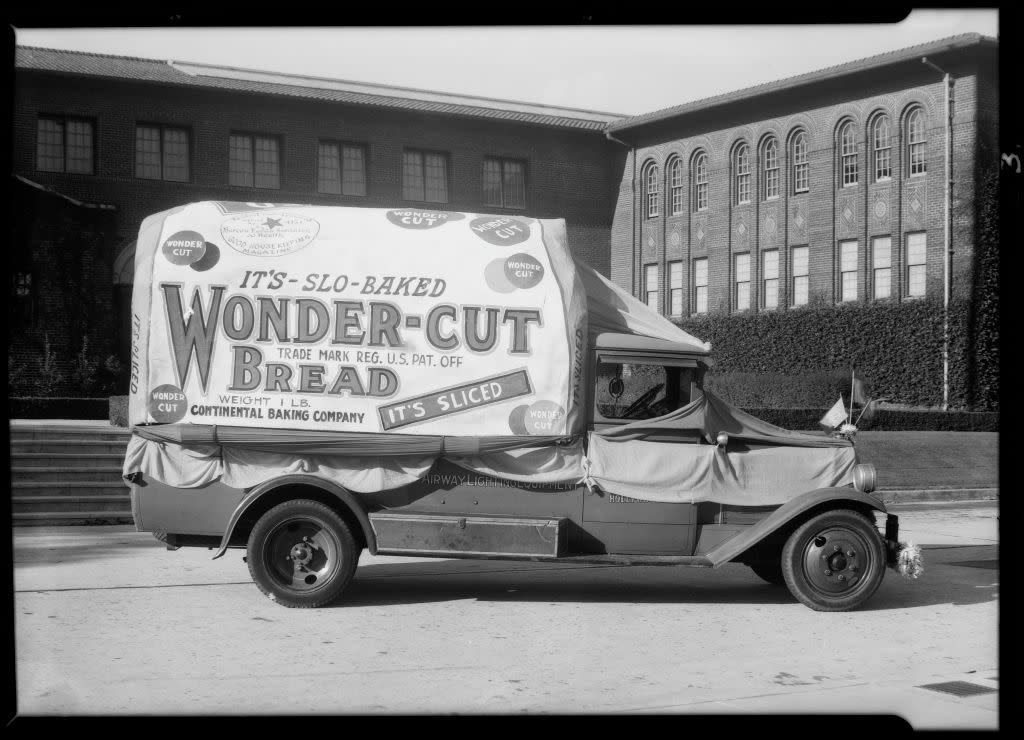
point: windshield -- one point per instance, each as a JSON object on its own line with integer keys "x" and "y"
{"x": 630, "y": 390}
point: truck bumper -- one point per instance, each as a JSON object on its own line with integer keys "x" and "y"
{"x": 892, "y": 536}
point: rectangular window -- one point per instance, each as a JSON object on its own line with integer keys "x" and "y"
{"x": 651, "y": 286}
{"x": 700, "y": 285}
{"x": 504, "y": 183}
{"x": 675, "y": 287}
{"x": 65, "y": 145}
{"x": 254, "y": 161}
{"x": 771, "y": 279}
{"x": 161, "y": 153}
{"x": 425, "y": 176}
{"x": 341, "y": 169}
{"x": 677, "y": 188}
{"x": 742, "y": 282}
{"x": 881, "y": 265}
{"x": 848, "y": 269}
{"x": 916, "y": 249}
{"x": 801, "y": 278}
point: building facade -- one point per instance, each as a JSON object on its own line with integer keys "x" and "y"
{"x": 130, "y": 137}
{"x": 825, "y": 189}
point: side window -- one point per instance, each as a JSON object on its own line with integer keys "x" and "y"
{"x": 633, "y": 391}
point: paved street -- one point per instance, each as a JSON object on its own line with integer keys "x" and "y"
{"x": 108, "y": 622}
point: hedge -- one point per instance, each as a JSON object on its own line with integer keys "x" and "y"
{"x": 897, "y": 347}
{"x": 119, "y": 411}
{"x": 887, "y": 420}
{"x": 58, "y": 408}
{"x": 779, "y": 390}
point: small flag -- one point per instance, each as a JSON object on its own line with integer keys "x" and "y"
{"x": 859, "y": 392}
{"x": 834, "y": 416}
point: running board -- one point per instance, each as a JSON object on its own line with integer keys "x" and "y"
{"x": 692, "y": 561}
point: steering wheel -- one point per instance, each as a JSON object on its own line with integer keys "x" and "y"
{"x": 642, "y": 401}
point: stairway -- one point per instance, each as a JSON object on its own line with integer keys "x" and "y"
{"x": 68, "y": 473}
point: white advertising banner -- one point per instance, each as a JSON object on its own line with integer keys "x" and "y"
{"x": 406, "y": 321}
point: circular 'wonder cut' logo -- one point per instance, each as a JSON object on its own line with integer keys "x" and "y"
{"x": 414, "y": 218}
{"x": 268, "y": 234}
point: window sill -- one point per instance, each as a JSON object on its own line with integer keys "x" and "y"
{"x": 883, "y": 179}
{"x": 919, "y": 174}
{"x": 801, "y": 192}
{"x": 849, "y": 185}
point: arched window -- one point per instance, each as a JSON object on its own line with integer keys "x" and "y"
{"x": 916, "y": 142}
{"x": 675, "y": 171}
{"x": 770, "y": 166}
{"x": 700, "y": 182}
{"x": 741, "y": 173}
{"x": 882, "y": 143}
{"x": 651, "y": 191}
{"x": 801, "y": 167}
{"x": 848, "y": 154}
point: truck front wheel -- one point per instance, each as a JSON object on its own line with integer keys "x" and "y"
{"x": 834, "y": 561}
{"x": 302, "y": 554}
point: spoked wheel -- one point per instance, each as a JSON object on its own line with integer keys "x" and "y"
{"x": 834, "y": 561}
{"x": 302, "y": 554}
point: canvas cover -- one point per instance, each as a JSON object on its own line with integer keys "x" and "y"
{"x": 356, "y": 319}
{"x": 362, "y": 345}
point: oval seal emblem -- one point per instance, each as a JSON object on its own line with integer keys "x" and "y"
{"x": 268, "y": 234}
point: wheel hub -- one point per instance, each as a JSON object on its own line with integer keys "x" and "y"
{"x": 301, "y": 553}
{"x": 832, "y": 560}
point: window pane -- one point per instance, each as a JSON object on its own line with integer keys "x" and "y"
{"x": 849, "y": 286}
{"x": 651, "y": 286}
{"x": 412, "y": 176}
{"x": 652, "y": 192}
{"x": 667, "y": 388}
{"x": 882, "y": 252}
{"x": 79, "y": 146}
{"x": 916, "y": 280}
{"x": 800, "y": 286}
{"x": 353, "y": 178}
{"x": 147, "y": 152}
{"x": 848, "y": 256}
{"x": 742, "y": 296}
{"x": 882, "y": 281}
{"x": 515, "y": 184}
{"x": 801, "y": 168}
{"x": 675, "y": 281}
{"x": 436, "y": 176}
{"x": 883, "y": 168}
{"x": 267, "y": 165}
{"x": 742, "y": 281}
{"x": 771, "y": 170}
{"x": 240, "y": 160}
{"x": 742, "y": 267}
{"x": 771, "y": 264}
{"x": 800, "y": 261}
{"x": 50, "y": 145}
{"x": 916, "y": 248}
{"x": 492, "y": 182}
{"x": 175, "y": 159}
{"x": 328, "y": 179}
{"x": 771, "y": 293}
{"x": 700, "y": 282}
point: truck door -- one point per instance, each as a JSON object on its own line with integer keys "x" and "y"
{"x": 630, "y": 387}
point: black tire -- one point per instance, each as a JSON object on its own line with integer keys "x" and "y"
{"x": 817, "y": 565}
{"x": 769, "y": 570}
{"x": 302, "y": 554}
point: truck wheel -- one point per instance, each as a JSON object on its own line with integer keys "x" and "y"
{"x": 301, "y": 554}
{"x": 769, "y": 570}
{"x": 834, "y": 561}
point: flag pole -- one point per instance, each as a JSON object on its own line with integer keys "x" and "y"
{"x": 849, "y": 416}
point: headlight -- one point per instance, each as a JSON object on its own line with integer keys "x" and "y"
{"x": 864, "y": 477}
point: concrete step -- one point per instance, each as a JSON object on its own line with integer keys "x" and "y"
{"x": 43, "y": 430}
{"x": 30, "y": 473}
{"x": 70, "y": 504}
{"x": 65, "y": 445}
{"x": 69, "y": 488}
{"x": 69, "y": 518}
{"x": 47, "y": 460}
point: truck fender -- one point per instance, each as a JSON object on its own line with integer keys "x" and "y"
{"x": 345, "y": 497}
{"x": 785, "y": 514}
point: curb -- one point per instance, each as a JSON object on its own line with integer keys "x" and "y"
{"x": 912, "y": 495}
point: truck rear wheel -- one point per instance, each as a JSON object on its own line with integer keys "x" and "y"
{"x": 834, "y": 561}
{"x": 302, "y": 554}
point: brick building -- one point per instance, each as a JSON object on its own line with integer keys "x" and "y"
{"x": 129, "y": 137}
{"x": 822, "y": 189}
{"x": 827, "y": 187}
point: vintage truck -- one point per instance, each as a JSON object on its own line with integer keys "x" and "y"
{"x": 264, "y": 423}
